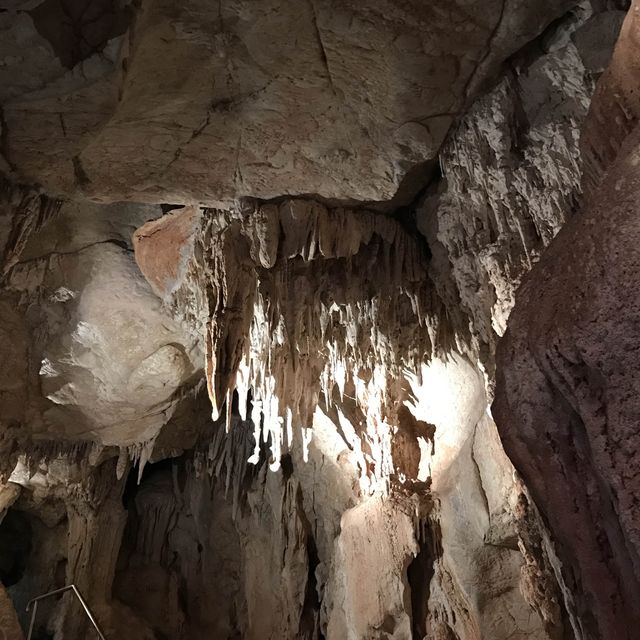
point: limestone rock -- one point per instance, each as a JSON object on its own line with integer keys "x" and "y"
{"x": 96, "y": 357}
{"x": 9, "y": 627}
{"x": 564, "y": 404}
{"x": 201, "y": 103}
{"x": 502, "y": 201}
{"x": 267, "y": 417}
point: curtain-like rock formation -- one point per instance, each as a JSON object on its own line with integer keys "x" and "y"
{"x": 297, "y": 300}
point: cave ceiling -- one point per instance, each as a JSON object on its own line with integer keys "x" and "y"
{"x": 194, "y": 103}
{"x": 256, "y": 259}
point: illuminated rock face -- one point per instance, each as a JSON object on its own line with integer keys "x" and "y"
{"x": 237, "y": 410}
{"x": 299, "y": 302}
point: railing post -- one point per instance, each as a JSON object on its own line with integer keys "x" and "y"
{"x": 33, "y": 619}
{"x": 86, "y": 608}
{"x": 75, "y": 590}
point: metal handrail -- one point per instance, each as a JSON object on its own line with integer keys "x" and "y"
{"x": 73, "y": 587}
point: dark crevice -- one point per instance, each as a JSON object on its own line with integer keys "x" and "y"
{"x": 82, "y": 179}
{"x": 118, "y": 243}
{"x": 414, "y": 185}
{"x": 132, "y": 485}
{"x": 4, "y": 140}
{"x": 309, "y": 625}
{"x": 419, "y": 575}
{"x": 323, "y": 51}
{"x": 198, "y": 130}
{"x": 15, "y": 546}
{"x": 492, "y": 36}
{"x": 533, "y": 50}
{"x": 62, "y": 125}
{"x": 287, "y": 466}
{"x": 79, "y": 29}
{"x": 520, "y": 125}
{"x": 166, "y": 208}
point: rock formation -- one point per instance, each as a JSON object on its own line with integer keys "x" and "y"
{"x": 155, "y": 102}
{"x": 257, "y": 262}
{"x": 574, "y": 439}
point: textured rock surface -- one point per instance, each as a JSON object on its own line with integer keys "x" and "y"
{"x": 512, "y": 172}
{"x": 9, "y": 626}
{"x": 297, "y": 301}
{"x": 566, "y": 401}
{"x": 467, "y": 536}
{"x": 96, "y": 357}
{"x": 195, "y": 102}
{"x": 343, "y": 480}
{"x": 615, "y": 109}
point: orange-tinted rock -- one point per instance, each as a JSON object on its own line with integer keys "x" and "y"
{"x": 9, "y": 626}
{"x": 163, "y": 247}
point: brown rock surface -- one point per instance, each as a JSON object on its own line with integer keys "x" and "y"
{"x": 162, "y": 249}
{"x": 9, "y": 626}
{"x": 91, "y": 348}
{"x": 615, "y": 109}
{"x": 566, "y": 401}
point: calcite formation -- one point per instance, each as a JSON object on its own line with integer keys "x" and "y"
{"x": 257, "y": 260}
{"x": 297, "y": 302}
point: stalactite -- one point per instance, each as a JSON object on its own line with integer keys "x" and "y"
{"x": 31, "y": 211}
{"x": 139, "y": 454}
{"x": 296, "y": 299}
{"x": 226, "y": 458}
{"x": 83, "y": 454}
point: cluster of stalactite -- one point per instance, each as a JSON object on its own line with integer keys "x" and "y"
{"x": 300, "y": 304}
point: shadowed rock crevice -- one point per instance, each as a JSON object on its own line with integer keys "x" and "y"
{"x": 419, "y": 574}
{"x": 78, "y": 29}
{"x": 16, "y": 543}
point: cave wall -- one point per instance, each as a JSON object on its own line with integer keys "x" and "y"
{"x": 573, "y": 439}
{"x": 235, "y": 417}
{"x": 149, "y": 101}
